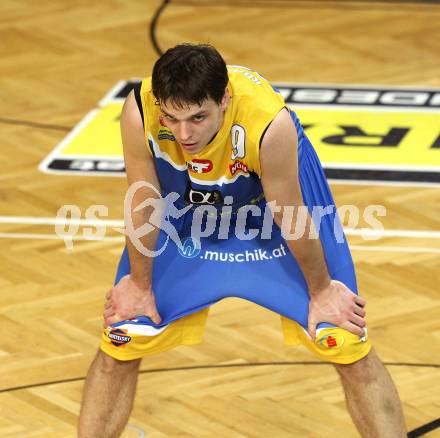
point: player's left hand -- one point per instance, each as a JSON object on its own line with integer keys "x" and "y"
{"x": 338, "y": 305}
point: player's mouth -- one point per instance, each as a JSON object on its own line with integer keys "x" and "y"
{"x": 189, "y": 146}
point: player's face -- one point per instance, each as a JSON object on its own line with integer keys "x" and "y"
{"x": 194, "y": 125}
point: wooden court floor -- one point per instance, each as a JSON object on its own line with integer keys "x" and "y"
{"x": 57, "y": 59}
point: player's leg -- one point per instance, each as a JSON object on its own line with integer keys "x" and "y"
{"x": 108, "y": 396}
{"x": 372, "y": 398}
{"x": 111, "y": 381}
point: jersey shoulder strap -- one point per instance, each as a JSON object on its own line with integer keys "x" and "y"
{"x": 137, "y": 96}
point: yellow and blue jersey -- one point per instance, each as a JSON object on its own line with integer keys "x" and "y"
{"x": 197, "y": 274}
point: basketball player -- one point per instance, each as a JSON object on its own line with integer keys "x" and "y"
{"x": 224, "y": 140}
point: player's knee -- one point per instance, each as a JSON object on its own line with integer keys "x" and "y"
{"x": 364, "y": 369}
{"x": 110, "y": 365}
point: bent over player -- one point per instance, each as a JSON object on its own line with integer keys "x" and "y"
{"x": 236, "y": 176}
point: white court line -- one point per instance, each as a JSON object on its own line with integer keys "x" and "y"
{"x": 413, "y": 249}
{"x": 358, "y": 182}
{"x": 363, "y": 232}
{"x": 368, "y": 232}
{"x": 407, "y": 249}
{"x": 56, "y": 237}
{"x": 29, "y": 220}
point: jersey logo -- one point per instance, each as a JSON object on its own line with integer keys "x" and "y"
{"x": 166, "y": 134}
{"x": 199, "y": 165}
{"x": 190, "y": 248}
{"x": 200, "y": 196}
{"x": 238, "y": 166}
{"x": 119, "y": 337}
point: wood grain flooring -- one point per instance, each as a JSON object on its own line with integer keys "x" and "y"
{"x": 57, "y": 59}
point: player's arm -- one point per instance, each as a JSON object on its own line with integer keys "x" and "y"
{"x": 139, "y": 167}
{"x": 133, "y": 295}
{"x": 279, "y": 168}
{"x": 280, "y": 180}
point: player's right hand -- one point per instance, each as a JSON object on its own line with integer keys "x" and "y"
{"x": 127, "y": 300}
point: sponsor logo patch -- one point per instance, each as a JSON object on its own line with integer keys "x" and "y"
{"x": 199, "y": 166}
{"x": 238, "y": 166}
{"x": 166, "y": 134}
{"x": 331, "y": 340}
{"x": 119, "y": 337}
{"x": 190, "y": 248}
{"x": 200, "y": 196}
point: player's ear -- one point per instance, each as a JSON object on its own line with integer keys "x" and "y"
{"x": 225, "y": 100}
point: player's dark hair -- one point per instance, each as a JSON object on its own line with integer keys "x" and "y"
{"x": 189, "y": 74}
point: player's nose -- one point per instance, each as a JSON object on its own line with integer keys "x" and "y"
{"x": 185, "y": 132}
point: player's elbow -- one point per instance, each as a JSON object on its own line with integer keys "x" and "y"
{"x": 285, "y": 213}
